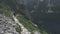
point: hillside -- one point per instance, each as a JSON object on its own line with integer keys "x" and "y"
{"x": 34, "y": 15}
{"x": 7, "y": 9}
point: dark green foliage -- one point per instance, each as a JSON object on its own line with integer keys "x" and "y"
{"x": 22, "y": 6}
{"x": 1, "y": 1}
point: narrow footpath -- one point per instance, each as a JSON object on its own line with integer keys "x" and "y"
{"x": 24, "y": 30}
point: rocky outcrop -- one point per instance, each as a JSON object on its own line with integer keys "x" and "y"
{"x": 7, "y": 25}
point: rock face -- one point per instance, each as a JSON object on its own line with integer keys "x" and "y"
{"x": 7, "y": 26}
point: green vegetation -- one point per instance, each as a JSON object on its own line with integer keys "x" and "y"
{"x": 5, "y": 9}
{"x": 30, "y": 26}
{"x": 18, "y": 29}
{"x": 27, "y": 23}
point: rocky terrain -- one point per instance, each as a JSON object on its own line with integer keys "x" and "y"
{"x": 7, "y": 26}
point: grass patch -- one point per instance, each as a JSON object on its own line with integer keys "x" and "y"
{"x": 27, "y": 23}
{"x": 6, "y": 10}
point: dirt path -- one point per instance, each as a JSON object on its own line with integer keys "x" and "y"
{"x": 24, "y": 30}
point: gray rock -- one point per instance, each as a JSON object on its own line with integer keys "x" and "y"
{"x": 7, "y": 25}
